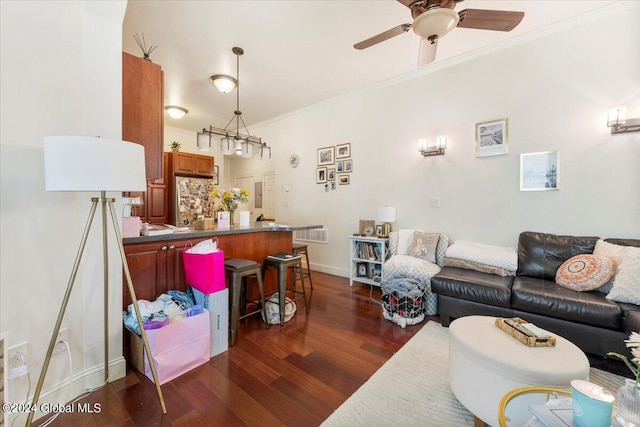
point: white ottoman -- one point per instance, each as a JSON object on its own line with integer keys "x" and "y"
{"x": 485, "y": 363}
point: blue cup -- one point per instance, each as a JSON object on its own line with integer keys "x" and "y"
{"x": 592, "y": 404}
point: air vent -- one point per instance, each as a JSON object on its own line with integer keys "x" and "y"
{"x": 318, "y": 235}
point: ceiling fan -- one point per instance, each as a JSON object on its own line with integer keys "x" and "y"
{"x": 433, "y": 19}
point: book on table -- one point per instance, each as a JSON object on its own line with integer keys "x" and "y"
{"x": 156, "y": 230}
{"x": 559, "y": 414}
{"x": 283, "y": 255}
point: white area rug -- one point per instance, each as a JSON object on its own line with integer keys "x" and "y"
{"x": 412, "y": 388}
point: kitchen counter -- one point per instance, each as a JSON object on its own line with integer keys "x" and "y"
{"x": 203, "y": 234}
{"x": 156, "y": 264}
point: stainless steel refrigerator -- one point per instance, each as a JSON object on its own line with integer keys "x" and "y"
{"x": 194, "y": 199}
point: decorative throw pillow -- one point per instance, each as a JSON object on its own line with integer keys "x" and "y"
{"x": 585, "y": 272}
{"x": 405, "y": 237}
{"x": 616, "y": 253}
{"x": 424, "y": 246}
{"x": 626, "y": 283}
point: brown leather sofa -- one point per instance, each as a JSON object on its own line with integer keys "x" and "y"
{"x": 588, "y": 319}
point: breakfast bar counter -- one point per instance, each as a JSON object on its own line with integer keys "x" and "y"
{"x": 156, "y": 265}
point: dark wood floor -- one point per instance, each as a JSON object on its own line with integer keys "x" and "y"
{"x": 295, "y": 375}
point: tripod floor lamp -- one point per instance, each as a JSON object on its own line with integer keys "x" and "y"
{"x": 88, "y": 164}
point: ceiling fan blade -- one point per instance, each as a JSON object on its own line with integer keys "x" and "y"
{"x": 482, "y": 19}
{"x": 427, "y": 52}
{"x": 403, "y": 28}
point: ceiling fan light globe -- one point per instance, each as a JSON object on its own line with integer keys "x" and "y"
{"x": 435, "y": 22}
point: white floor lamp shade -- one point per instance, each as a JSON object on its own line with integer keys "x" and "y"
{"x": 84, "y": 163}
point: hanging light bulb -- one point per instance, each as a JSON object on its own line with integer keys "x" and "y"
{"x": 238, "y": 147}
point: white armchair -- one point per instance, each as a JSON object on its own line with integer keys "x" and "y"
{"x": 401, "y": 264}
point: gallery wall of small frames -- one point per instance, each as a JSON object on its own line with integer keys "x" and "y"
{"x": 334, "y": 166}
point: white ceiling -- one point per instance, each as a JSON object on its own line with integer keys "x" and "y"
{"x": 298, "y": 53}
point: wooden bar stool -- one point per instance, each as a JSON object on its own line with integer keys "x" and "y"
{"x": 237, "y": 270}
{"x": 299, "y": 249}
{"x": 283, "y": 264}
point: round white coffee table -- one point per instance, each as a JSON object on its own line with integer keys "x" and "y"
{"x": 486, "y": 362}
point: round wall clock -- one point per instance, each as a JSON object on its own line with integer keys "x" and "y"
{"x": 294, "y": 160}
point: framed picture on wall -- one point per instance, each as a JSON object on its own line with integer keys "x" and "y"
{"x": 491, "y": 138}
{"x": 321, "y": 175}
{"x": 331, "y": 174}
{"x": 348, "y": 165}
{"x": 216, "y": 175}
{"x": 343, "y": 150}
{"x": 340, "y": 166}
{"x": 343, "y": 179}
{"x": 539, "y": 171}
{"x": 326, "y": 156}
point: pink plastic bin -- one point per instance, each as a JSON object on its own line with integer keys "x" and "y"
{"x": 205, "y": 272}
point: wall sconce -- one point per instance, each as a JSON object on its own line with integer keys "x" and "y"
{"x": 176, "y": 112}
{"x": 434, "y": 150}
{"x": 618, "y": 122}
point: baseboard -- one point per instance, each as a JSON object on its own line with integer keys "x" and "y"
{"x": 67, "y": 391}
{"x": 330, "y": 270}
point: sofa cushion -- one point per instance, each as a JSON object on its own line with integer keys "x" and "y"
{"x": 473, "y": 286}
{"x": 585, "y": 272}
{"x": 540, "y": 254}
{"x": 546, "y": 298}
{"x": 630, "y": 318}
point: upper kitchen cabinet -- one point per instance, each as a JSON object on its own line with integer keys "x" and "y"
{"x": 190, "y": 164}
{"x": 142, "y": 109}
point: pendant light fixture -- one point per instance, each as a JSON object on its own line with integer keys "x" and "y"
{"x": 235, "y": 142}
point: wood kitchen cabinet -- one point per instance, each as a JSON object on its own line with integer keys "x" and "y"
{"x": 190, "y": 164}
{"x": 155, "y": 269}
{"x": 155, "y": 206}
{"x": 142, "y": 110}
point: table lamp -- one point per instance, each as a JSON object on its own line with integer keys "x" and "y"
{"x": 91, "y": 164}
{"x": 386, "y": 215}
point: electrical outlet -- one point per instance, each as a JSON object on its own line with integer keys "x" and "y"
{"x": 17, "y": 361}
{"x": 63, "y": 335}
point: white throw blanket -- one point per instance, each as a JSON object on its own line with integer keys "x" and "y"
{"x": 499, "y": 256}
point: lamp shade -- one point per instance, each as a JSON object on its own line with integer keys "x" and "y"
{"x": 84, "y": 163}
{"x": 247, "y": 149}
{"x": 386, "y": 214}
{"x": 265, "y": 152}
{"x": 204, "y": 141}
{"x": 227, "y": 145}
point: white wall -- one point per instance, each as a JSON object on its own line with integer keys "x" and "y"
{"x": 61, "y": 75}
{"x": 555, "y": 92}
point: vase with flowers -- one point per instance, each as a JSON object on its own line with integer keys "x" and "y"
{"x": 628, "y": 411}
{"x": 228, "y": 200}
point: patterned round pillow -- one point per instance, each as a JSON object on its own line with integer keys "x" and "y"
{"x": 585, "y": 272}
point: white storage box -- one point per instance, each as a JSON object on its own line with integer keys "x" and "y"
{"x": 218, "y": 305}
